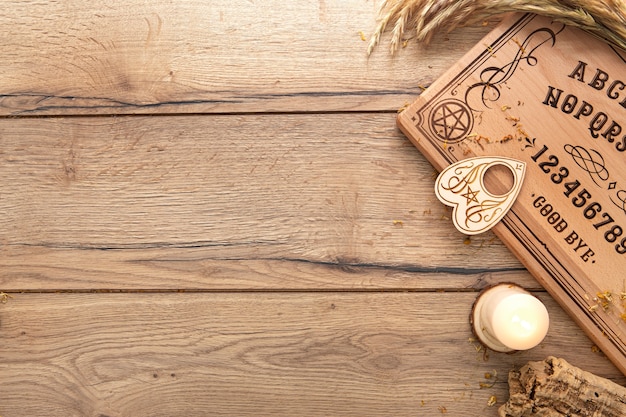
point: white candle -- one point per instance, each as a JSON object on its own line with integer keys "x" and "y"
{"x": 507, "y": 318}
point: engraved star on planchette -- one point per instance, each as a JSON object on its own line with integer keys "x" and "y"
{"x": 471, "y": 195}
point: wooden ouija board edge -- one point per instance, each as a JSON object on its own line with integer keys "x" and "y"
{"x": 571, "y": 276}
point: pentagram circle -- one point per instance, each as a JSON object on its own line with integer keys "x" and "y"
{"x": 451, "y": 121}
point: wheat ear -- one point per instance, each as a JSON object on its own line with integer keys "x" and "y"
{"x": 603, "y": 18}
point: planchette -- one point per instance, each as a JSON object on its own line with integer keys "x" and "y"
{"x": 553, "y": 97}
{"x": 474, "y": 208}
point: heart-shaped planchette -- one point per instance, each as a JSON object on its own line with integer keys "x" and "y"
{"x": 475, "y": 209}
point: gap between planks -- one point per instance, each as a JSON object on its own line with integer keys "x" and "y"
{"x": 250, "y": 291}
{"x": 201, "y": 114}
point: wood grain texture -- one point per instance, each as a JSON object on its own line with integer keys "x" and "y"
{"x": 227, "y": 202}
{"x": 206, "y": 209}
{"x": 257, "y": 354}
{"x": 197, "y": 56}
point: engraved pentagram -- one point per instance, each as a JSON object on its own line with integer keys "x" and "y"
{"x": 451, "y": 121}
{"x": 470, "y": 195}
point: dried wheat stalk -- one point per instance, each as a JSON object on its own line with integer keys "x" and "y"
{"x": 603, "y": 18}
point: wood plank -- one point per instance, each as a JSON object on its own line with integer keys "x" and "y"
{"x": 224, "y": 201}
{"x": 197, "y": 56}
{"x": 42, "y": 269}
{"x": 249, "y": 263}
{"x": 366, "y": 354}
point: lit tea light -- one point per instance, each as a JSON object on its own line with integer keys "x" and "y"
{"x": 507, "y": 318}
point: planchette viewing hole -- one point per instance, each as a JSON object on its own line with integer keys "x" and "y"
{"x": 498, "y": 179}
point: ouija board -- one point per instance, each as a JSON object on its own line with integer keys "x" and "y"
{"x": 553, "y": 97}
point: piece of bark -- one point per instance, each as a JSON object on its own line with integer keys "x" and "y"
{"x": 554, "y": 388}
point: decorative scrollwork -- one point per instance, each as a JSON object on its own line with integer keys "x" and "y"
{"x": 620, "y": 201}
{"x": 590, "y": 161}
{"x": 492, "y": 77}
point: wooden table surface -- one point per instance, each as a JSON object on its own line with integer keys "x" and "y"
{"x": 206, "y": 208}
